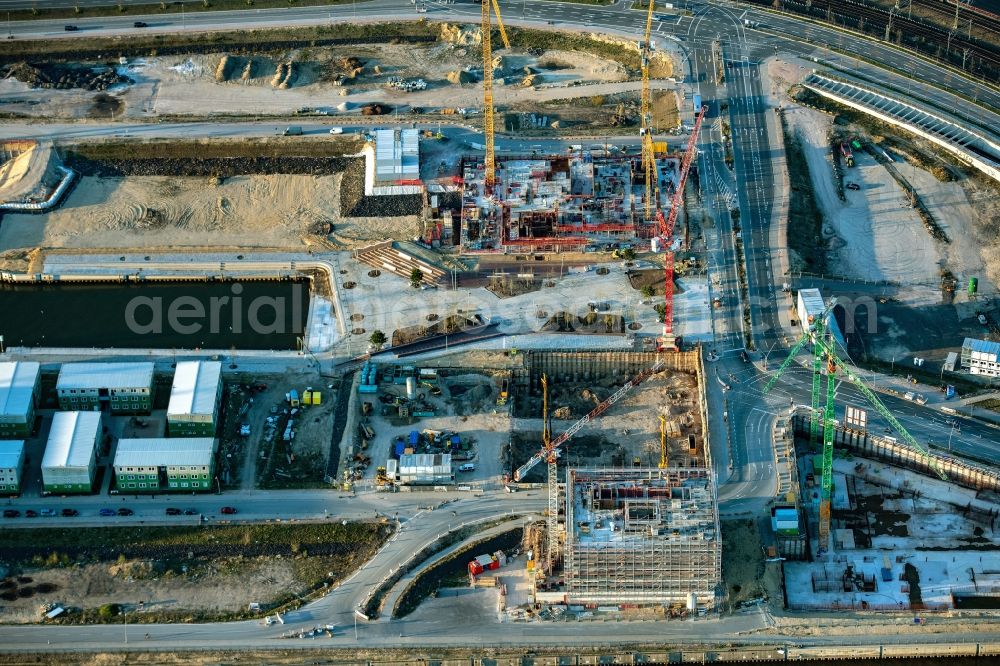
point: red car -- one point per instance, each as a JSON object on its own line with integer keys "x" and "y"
{"x": 228, "y": 510}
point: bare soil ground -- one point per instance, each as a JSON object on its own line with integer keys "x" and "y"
{"x": 180, "y": 573}
{"x": 873, "y": 233}
{"x": 603, "y": 441}
{"x": 745, "y": 573}
{"x": 339, "y": 79}
{"x": 274, "y": 211}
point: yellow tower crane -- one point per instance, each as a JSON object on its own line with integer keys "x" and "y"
{"x": 645, "y": 114}
{"x": 488, "y": 84}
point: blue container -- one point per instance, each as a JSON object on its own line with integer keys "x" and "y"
{"x": 414, "y": 438}
{"x": 949, "y": 392}
{"x": 697, "y": 103}
{"x": 400, "y": 446}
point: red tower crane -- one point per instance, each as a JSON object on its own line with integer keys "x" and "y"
{"x": 666, "y": 233}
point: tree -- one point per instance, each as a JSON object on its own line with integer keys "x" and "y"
{"x": 648, "y": 291}
{"x": 377, "y": 339}
{"x": 416, "y": 277}
{"x": 628, "y": 254}
{"x": 108, "y": 611}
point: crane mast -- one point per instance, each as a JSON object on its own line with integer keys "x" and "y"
{"x": 666, "y": 231}
{"x": 645, "y": 114}
{"x": 487, "y": 28}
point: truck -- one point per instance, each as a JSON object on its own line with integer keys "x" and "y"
{"x": 292, "y": 130}
{"x": 697, "y": 103}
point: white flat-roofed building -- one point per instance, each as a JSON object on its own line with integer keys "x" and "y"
{"x": 18, "y": 395}
{"x": 126, "y": 387}
{"x": 425, "y": 469}
{"x": 194, "y": 399}
{"x": 164, "y": 464}
{"x": 810, "y": 303}
{"x": 70, "y": 459}
{"x": 11, "y": 466}
{"x": 981, "y": 357}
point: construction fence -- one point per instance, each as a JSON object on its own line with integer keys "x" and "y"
{"x": 872, "y": 446}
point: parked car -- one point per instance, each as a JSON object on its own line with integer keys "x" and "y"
{"x": 228, "y": 510}
{"x": 466, "y": 467}
{"x": 853, "y": 186}
{"x": 139, "y": 24}
{"x": 31, "y": 513}
{"x": 48, "y": 512}
{"x": 69, "y": 513}
{"x": 191, "y": 512}
{"x": 70, "y": 28}
{"x": 173, "y": 511}
{"x": 11, "y": 513}
{"x": 108, "y": 512}
{"x": 124, "y": 511}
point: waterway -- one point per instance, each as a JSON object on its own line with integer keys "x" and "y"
{"x": 175, "y": 315}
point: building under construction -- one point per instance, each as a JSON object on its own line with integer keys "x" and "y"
{"x": 567, "y": 201}
{"x": 642, "y": 536}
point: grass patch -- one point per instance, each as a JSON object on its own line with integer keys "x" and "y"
{"x": 166, "y": 149}
{"x": 543, "y": 39}
{"x": 162, "y": 8}
{"x": 235, "y": 41}
{"x": 267, "y": 538}
{"x": 805, "y": 220}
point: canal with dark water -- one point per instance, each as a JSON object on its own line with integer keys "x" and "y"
{"x": 176, "y": 315}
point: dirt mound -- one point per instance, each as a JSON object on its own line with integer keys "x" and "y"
{"x": 374, "y": 110}
{"x": 62, "y": 77}
{"x": 461, "y": 76}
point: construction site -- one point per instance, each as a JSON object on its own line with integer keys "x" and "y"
{"x": 642, "y": 537}
{"x": 637, "y": 522}
{"x": 566, "y": 202}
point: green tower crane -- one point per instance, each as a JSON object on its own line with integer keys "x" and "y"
{"x": 822, "y": 419}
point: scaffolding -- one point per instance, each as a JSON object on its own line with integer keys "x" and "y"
{"x": 642, "y": 537}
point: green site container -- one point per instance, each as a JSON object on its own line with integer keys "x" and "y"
{"x": 973, "y": 286}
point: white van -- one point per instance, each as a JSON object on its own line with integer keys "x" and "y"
{"x": 466, "y": 467}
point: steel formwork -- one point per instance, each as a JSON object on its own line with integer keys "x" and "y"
{"x": 642, "y": 536}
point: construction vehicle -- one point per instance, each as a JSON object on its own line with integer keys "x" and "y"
{"x": 550, "y": 452}
{"x": 504, "y": 391}
{"x": 487, "y": 28}
{"x": 845, "y": 150}
{"x": 666, "y": 233}
{"x": 823, "y": 420}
